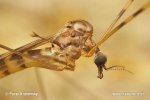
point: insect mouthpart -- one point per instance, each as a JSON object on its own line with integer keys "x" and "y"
{"x": 101, "y": 59}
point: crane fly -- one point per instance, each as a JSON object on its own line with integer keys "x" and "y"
{"x": 71, "y": 42}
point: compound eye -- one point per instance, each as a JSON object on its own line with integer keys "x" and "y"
{"x": 79, "y": 27}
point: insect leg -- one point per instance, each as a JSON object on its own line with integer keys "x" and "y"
{"x": 118, "y": 17}
{"x": 37, "y": 35}
{"x": 127, "y": 20}
{"x": 29, "y": 46}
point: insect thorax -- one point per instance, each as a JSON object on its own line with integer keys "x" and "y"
{"x": 75, "y": 39}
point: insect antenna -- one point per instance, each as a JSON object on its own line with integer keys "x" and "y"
{"x": 127, "y": 20}
{"x": 121, "y": 68}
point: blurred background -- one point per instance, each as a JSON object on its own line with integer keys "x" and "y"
{"x": 129, "y": 47}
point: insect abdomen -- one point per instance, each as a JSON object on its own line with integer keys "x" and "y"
{"x": 14, "y": 63}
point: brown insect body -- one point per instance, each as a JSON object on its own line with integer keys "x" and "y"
{"x": 75, "y": 39}
{"x": 72, "y": 41}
